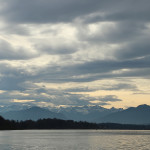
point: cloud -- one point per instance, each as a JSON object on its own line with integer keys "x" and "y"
{"x": 100, "y": 69}
{"x": 53, "y": 96}
{"x": 136, "y": 49}
{"x": 75, "y": 43}
{"x": 109, "y": 98}
{"x": 21, "y": 30}
{"x": 88, "y": 71}
{"x": 56, "y": 50}
{"x": 16, "y": 78}
{"x": 10, "y": 78}
{"x": 121, "y": 86}
{"x": 81, "y": 89}
{"x": 37, "y": 11}
{"x": 105, "y": 100}
{"x": 110, "y": 32}
{"x": 107, "y": 87}
{"x": 9, "y": 52}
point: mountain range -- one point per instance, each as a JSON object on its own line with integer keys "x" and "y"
{"x": 132, "y": 115}
{"x": 33, "y": 113}
{"x": 98, "y": 114}
{"x": 85, "y": 113}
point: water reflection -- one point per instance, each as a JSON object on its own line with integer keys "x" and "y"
{"x": 74, "y": 140}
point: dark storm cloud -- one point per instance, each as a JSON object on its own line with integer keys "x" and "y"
{"x": 115, "y": 33}
{"x": 48, "y": 10}
{"x": 129, "y": 10}
{"x": 106, "y": 66}
{"x": 93, "y": 70}
{"x": 37, "y": 11}
{"x": 136, "y": 49}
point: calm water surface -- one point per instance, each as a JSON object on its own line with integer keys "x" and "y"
{"x": 75, "y": 140}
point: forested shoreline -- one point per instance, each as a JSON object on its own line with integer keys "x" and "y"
{"x": 64, "y": 124}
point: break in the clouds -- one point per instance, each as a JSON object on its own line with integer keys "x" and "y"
{"x": 74, "y": 52}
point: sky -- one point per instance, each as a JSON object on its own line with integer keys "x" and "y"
{"x": 75, "y": 52}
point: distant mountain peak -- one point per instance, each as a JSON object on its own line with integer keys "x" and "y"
{"x": 32, "y": 113}
{"x": 143, "y": 106}
{"x": 132, "y": 115}
{"x": 35, "y": 108}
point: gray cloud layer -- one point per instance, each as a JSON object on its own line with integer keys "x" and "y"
{"x": 98, "y": 40}
{"x": 8, "y": 52}
{"x": 30, "y": 11}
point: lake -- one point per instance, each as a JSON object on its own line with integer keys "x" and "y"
{"x": 75, "y": 140}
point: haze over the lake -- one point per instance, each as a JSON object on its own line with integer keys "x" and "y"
{"x": 75, "y": 52}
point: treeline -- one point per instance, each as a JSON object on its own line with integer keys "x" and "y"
{"x": 45, "y": 124}
{"x": 64, "y": 124}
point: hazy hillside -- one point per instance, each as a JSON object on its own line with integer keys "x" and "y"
{"x": 85, "y": 113}
{"x": 132, "y": 115}
{"x": 33, "y": 113}
{"x": 82, "y": 113}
